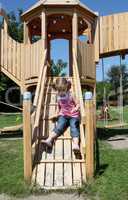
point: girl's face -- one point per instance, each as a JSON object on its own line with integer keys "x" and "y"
{"x": 62, "y": 93}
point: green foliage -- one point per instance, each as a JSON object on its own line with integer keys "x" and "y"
{"x": 100, "y": 90}
{"x": 57, "y": 69}
{"x": 5, "y": 83}
{"x": 10, "y": 120}
{"x": 16, "y": 26}
{"x": 114, "y": 74}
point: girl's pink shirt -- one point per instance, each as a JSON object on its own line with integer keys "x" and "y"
{"x": 66, "y": 105}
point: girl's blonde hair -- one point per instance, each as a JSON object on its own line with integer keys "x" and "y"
{"x": 61, "y": 85}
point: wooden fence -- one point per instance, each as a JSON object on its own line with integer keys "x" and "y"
{"x": 86, "y": 60}
{"x": 113, "y": 33}
{"x": 33, "y": 58}
{"x": 18, "y": 61}
{"x": 11, "y": 57}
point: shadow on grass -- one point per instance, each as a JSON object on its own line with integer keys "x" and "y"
{"x": 106, "y": 133}
{"x": 12, "y": 135}
{"x": 99, "y": 169}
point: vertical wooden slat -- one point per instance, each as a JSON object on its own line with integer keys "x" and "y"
{"x": 68, "y": 178}
{"x": 96, "y": 40}
{"x": 18, "y": 61}
{"x": 22, "y": 64}
{"x": 9, "y": 55}
{"x": 58, "y": 181}
{"x": 2, "y": 48}
{"x": 5, "y": 49}
{"x": 14, "y": 58}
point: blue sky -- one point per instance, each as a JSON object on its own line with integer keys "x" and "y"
{"x": 104, "y": 7}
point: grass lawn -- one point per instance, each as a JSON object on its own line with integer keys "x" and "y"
{"x": 11, "y": 168}
{"x": 10, "y": 120}
{"x": 111, "y": 182}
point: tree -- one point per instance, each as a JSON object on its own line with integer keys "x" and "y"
{"x": 58, "y": 69}
{"x": 114, "y": 74}
{"x": 100, "y": 90}
{"x": 16, "y": 26}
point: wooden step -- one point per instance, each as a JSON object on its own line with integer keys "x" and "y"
{"x": 63, "y": 161}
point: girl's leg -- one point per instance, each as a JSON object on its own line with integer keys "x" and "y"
{"x": 49, "y": 141}
{"x": 75, "y": 144}
{"x": 75, "y": 133}
{"x": 61, "y": 126}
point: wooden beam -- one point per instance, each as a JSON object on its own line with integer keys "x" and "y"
{"x": 26, "y": 34}
{"x": 75, "y": 31}
{"x": 96, "y": 40}
{"x": 27, "y": 136}
{"x": 89, "y": 138}
{"x": 70, "y": 57}
{"x": 43, "y": 29}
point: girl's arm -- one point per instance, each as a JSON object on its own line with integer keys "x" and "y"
{"x": 56, "y": 115}
{"x": 77, "y": 104}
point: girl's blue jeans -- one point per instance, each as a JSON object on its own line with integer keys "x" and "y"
{"x": 64, "y": 122}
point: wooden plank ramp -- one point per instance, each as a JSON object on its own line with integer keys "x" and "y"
{"x": 57, "y": 168}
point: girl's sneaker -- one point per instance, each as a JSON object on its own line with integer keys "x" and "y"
{"x": 48, "y": 142}
{"x": 75, "y": 148}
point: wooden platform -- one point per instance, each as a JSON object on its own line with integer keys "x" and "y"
{"x": 57, "y": 168}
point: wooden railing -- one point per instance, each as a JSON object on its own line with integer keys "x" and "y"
{"x": 31, "y": 119}
{"x": 11, "y": 61}
{"x": 87, "y": 122}
{"x": 86, "y": 60}
{"x": 20, "y": 62}
{"x": 78, "y": 94}
{"x": 38, "y": 101}
{"x": 32, "y": 60}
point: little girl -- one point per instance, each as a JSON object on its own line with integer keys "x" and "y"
{"x": 68, "y": 114}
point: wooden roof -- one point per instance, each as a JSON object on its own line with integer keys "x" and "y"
{"x": 44, "y": 3}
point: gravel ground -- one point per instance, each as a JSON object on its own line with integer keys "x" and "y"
{"x": 52, "y": 196}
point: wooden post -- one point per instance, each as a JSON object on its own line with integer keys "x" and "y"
{"x": 43, "y": 29}
{"x": 27, "y": 136}
{"x": 5, "y": 26}
{"x": 75, "y": 31}
{"x": 26, "y": 34}
{"x": 70, "y": 57}
{"x": 89, "y": 109}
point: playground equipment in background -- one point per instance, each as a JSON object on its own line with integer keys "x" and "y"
{"x": 104, "y": 115}
{"x": 27, "y": 65}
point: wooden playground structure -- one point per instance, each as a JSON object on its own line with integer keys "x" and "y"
{"x": 27, "y": 64}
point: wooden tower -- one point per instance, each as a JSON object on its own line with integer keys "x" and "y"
{"x": 27, "y": 64}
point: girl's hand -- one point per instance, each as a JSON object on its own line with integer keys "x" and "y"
{"x": 54, "y": 118}
{"x": 75, "y": 110}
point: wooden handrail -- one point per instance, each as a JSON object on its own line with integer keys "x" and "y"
{"x": 78, "y": 87}
{"x": 78, "y": 93}
{"x": 41, "y": 96}
{"x": 40, "y": 78}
